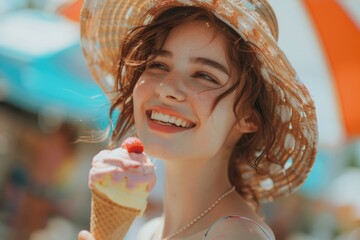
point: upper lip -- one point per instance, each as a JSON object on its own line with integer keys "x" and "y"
{"x": 171, "y": 116}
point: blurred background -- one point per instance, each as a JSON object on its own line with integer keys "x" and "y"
{"x": 48, "y": 101}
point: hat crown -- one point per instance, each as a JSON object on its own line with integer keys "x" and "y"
{"x": 261, "y": 10}
{"x": 266, "y": 12}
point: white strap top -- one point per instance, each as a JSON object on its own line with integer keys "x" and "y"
{"x": 237, "y": 224}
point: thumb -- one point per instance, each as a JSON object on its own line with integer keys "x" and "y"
{"x": 85, "y": 235}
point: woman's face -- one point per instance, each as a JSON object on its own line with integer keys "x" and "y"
{"x": 173, "y": 98}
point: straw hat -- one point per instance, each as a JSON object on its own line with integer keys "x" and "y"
{"x": 105, "y": 22}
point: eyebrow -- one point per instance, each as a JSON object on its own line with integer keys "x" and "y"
{"x": 211, "y": 63}
{"x": 163, "y": 53}
{"x": 199, "y": 60}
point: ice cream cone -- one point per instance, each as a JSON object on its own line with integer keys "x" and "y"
{"x": 110, "y": 221}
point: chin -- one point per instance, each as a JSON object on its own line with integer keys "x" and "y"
{"x": 159, "y": 152}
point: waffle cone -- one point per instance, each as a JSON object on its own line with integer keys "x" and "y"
{"x": 109, "y": 221}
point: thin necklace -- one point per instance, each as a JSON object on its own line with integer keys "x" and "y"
{"x": 201, "y": 215}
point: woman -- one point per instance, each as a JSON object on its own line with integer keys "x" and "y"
{"x": 205, "y": 87}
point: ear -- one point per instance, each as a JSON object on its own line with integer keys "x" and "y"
{"x": 248, "y": 124}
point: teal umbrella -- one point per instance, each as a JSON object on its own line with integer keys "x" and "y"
{"x": 42, "y": 68}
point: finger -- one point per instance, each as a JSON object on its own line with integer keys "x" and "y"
{"x": 123, "y": 163}
{"x": 118, "y": 157}
{"x": 85, "y": 235}
{"x": 138, "y": 157}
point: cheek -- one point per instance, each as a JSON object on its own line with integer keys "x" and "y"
{"x": 141, "y": 93}
{"x": 143, "y": 88}
{"x": 222, "y": 118}
{"x": 137, "y": 93}
{"x": 203, "y": 103}
{"x": 139, "y": 87}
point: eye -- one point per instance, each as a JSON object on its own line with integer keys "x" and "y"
{"x": 206, "y": 76}
{"x": 158, "y": 65}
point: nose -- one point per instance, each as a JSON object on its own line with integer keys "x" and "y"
{"x": 169, "y": 90}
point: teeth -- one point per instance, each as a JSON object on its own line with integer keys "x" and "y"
{"x": 165, "y": 118}
{"x": 178, "y": 122}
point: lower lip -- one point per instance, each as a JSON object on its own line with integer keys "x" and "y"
{"x": 164, "y": 128}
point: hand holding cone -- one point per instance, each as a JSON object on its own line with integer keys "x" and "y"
{"x": 118, "y": 193}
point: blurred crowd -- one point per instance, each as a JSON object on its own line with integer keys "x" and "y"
{"x": 44, "y": 159}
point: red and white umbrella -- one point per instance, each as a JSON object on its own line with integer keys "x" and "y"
{"x": 322, "y": 40}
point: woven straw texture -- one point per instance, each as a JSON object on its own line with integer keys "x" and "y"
{"x": 109, "y": 221}
{"x": 105, "y": 22}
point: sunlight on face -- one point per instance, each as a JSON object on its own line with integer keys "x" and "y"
{"x": 174, "y": 97}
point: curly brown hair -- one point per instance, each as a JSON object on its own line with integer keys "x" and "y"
{"x": 144, "y": 42}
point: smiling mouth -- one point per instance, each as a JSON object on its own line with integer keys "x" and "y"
{"x": 169, "y": 120}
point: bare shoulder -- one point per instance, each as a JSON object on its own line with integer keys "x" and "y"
{"x": 238, "y": 227}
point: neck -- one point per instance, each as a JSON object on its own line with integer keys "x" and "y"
{"x": 191, "y": 188}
